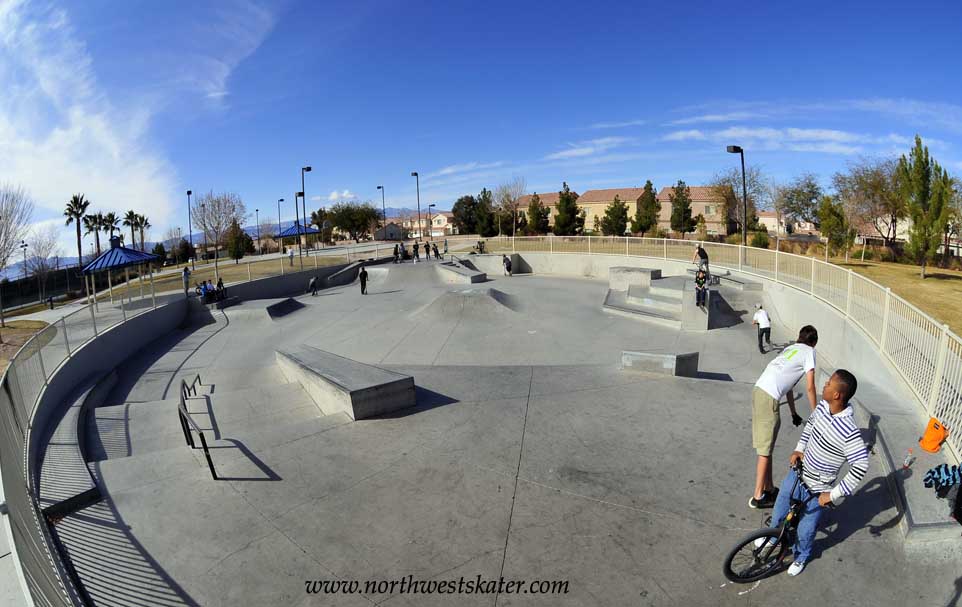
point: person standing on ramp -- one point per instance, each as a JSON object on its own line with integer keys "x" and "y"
{"x": 764, "y": 327}
{"x": 362, "y": 276}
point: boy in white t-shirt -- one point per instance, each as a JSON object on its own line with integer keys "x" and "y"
{"x": 777, "y": 380}
{"x": 764, "y": 325}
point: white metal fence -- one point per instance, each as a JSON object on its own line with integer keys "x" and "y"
{"x": 926, "y": 354}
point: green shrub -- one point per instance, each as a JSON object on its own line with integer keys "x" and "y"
{"x": 760, "y": 240}
{"x": 733, "y": 239}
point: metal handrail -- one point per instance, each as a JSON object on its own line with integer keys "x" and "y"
{"x": 187, "y": 423}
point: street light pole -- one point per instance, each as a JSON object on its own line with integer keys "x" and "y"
{"x": 430, "y": 229}
{"x": 417, "y": 184}
{"x": 203, "y": 211}
{"x": 257, "y": 220}
{"x": 734, "y": 149}
{"x": 190, "y": 234}
{"x": 299, "y": 257}
{"x": 304, "y": 200}
{"x": 383, "y": 212}
{"x": 279, "y": 201}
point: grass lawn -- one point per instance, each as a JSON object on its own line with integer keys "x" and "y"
{"x": 939, "y": 295}
{"x": 14, "y": 335}
{"x": 237, "y": 272}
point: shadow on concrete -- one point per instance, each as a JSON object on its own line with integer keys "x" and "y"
{"x": 269, "y": 474}
{"x": 940, "y": 276}
{"x": 385, "y": 292}
{"x": 426, "y": 400}
{"x": 866, "y": 503}
{"x": 714, "y": 376}
{"x": 723, "y": 316}
{"x": 870, "y": 434}
{"x": 284, "y": 308}
{"x": 954, "y": 601}
{"x": 114, "y": 568}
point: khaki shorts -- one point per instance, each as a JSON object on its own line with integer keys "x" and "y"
{"x": 765, "y": 421}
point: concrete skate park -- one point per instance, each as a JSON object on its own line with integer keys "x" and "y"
{"x": 550, "y": 425}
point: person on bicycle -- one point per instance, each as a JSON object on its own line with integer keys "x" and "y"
{"x": 701, "y": 258}
{"x": 830, "y": 438}
{"x": 777, "y": 381}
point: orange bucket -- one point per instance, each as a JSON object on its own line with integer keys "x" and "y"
{"x": 935, "y": 434}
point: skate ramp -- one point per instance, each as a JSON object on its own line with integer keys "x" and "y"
{"x": 477, "y": 303}
{"x": 283, "y": 308}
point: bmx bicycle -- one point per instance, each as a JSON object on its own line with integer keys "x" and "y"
{"x": 763, "y": 552}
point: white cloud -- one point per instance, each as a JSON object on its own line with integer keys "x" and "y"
{"x": 616, "y": 125}
{"x": 928, "y": 114}
{"x": 687, "y": 135}
{"x": 726, "y": 117}
{"x": 61, "y": 134}
{"x": 336, "y": 195}
{"x": 589, "y": 148}
{"x": 463, "y": 168}
{"x": 316, "y": 199}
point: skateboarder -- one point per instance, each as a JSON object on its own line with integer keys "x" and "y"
{"x": 701, "y": 288}
{"x": 396, "y": 253}
{"x": 445, "y": 246}
{"x": 186, "y": 282}
{"x": 363, "y": 277}
{"x": 312, "y": 286}
{"x": 507, "y": 265}
{"x": 417, "y": 253}
{"x": 764, "y": 325}
{"x": 435, "y": 247}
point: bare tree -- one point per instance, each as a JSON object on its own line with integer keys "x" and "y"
{"x": 727, "y": 188}
{"x": 214, "y": 213}
{"x": 871, "y": 191}
{"x": 16, "y": 209}
{"x": 506, "y": 197}
{"x": 45, "y": 245}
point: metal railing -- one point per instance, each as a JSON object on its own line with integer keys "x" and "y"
{"x": 924, "y": 352}
{"x": 44, "y": 570}
{"x": 187, "y": 423}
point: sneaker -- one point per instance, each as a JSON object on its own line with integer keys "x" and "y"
{"x": 767, "y": 500}
{"x": 796, "y": 568}
{"x": 761, "y": 542}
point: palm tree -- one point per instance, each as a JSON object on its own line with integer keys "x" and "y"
{"x": 92, "y": 226}
{"x": 110, "y": 222}
{"x": 131, "y": 219}
{"x": 143, "y": 224}
{"x": 75, "y": 214}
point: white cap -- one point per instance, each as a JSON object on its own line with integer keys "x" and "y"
{"x": 758, "y": 306}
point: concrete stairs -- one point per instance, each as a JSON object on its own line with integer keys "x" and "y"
{"x": 660, "y": 303}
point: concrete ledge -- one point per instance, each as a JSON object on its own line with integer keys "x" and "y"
{"x": 679, "y": 365}
{"x": 341, "y": 385}
{"x": 452, "y": 271}
{"x": 694, "y": 318}
{"x": 620, "y": 278}
{"x": 616, "y": 302}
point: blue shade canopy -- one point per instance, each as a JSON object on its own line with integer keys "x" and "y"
{"x": 118, "y": 257}
{"x": 292, "y": 232}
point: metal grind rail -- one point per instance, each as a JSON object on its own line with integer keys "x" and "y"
{"x": 187, "y": 423}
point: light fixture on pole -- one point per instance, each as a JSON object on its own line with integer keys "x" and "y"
{"x": 383, "y": 213}
{"x": 734, "y": 149}
{"x": 430, "y": 229}
{"x": 23, "y": 247}
{"x": 303, "y": 199}
{"x": 417, "y": 184}
{"x": 190, "y": 234}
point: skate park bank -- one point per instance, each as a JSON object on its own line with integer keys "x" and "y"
{"x": 439, "y": 384}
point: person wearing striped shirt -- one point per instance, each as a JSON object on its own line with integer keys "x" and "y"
{"x": 830, "y": 439}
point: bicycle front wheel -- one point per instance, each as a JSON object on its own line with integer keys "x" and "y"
{"x": 756, "y": 556}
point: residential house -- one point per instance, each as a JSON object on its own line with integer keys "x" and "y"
{"x": 595, "y": 202}
{"x": 773, "y": 222}
{"x": 442, "y": 224}
{"x": 548, "y": 199}
{"x": 391, "y": 231}
{"x": 705, "y": 201}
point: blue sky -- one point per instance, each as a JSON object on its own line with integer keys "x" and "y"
{"x": 134, "y": 102}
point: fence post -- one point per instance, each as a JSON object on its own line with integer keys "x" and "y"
{"x": 589, "y": 245}
{"x": 66, "y": 341}
{"x": 885, "y": 319}
{"x": 812, "y": 290}
{"x": 741, "y": 253}
{"x": 43, "y": 370}
{"x": 513, "y": 246}
{"x": 551, "y": 243}
{"x": 776, "y": 263}
{"x": 848, "y": 295}
{"x": 626, "y": 246}
{"x": 282, "y": 265}
{"x": 939, "y": 371}
{"x": 664, "y": 241}
{"x": 315, "y": 262}
{"x": 93, "y": 318}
